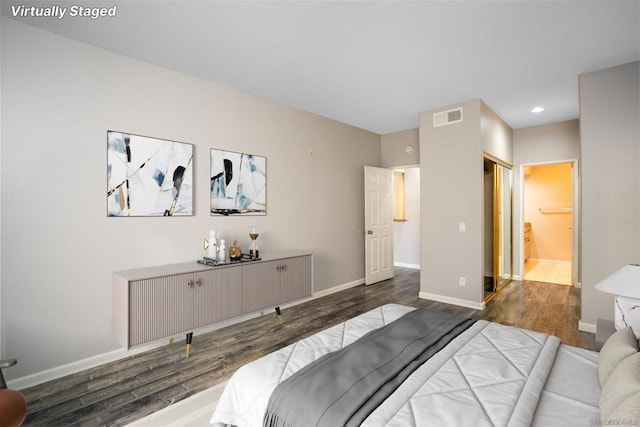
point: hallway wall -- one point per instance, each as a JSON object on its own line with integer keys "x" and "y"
{"x": 452, "y": 271}
{"x": 610, "y": 134}
{"x": 555, "y": 142}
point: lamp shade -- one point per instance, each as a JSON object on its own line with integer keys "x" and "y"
{"x": 624, "y": 282}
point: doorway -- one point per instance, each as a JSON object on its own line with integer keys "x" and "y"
{"x": 548, "y": 195}
{"x": 392, "y": 213}
{"x": 406, "y": 217}
{"x": 498, "y": 227}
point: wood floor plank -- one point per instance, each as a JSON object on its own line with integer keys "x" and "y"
{"x": 120, "y": 392}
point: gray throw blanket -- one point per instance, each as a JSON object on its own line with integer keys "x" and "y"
{"x": 342, "y": 388}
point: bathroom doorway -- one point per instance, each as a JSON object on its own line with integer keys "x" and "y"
{"x": 549, "y": 223}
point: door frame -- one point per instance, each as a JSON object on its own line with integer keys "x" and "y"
{"x": 575, "y": 216}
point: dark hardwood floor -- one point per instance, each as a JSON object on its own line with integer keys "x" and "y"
{"x": 120, "y": 392}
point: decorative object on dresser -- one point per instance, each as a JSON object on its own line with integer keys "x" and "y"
{"x": 253, "y": 248}
{"x": 153, "y": 303}
{"x": 211, "y": 245}
{"x": 235, "y": 251}
{"x": 238, "y": 183}
{"x": 222, "y": 251}
{"x": 148, "y": 176}
{"x": 625, "y": 285}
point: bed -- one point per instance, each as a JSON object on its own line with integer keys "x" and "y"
{"x": 486, "y": 375}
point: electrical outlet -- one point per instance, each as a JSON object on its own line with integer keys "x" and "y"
{"x": 463, "y": 281}
{"x": 310, "y": 152}
{"x": 462, "y": 227}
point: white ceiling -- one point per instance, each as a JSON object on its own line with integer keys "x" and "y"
{"x": 375, "y": 65}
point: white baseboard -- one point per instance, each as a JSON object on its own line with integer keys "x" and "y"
{"x": 405, "y": 265}
{"x": 68, "y": 369}
{"x": 338, "y": 288}
{"x": 451, "y": 300}
{"x": 111, "y": 356}
{"x": 517, "y": 277}
{"x": 586, "y": 327}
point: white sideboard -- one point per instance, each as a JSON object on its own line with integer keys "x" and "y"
{"x": 157, "y": 302}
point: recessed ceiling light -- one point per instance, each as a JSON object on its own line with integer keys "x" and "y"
{"x": 537, "y": 109}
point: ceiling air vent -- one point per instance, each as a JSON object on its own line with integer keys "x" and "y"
{"x": 448, "y": 117}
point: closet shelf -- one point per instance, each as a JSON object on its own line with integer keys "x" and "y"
{"x": 554, "y": 210}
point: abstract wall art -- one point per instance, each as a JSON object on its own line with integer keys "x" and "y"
{"x": 148, "y": 176}
{"x": 238, "y": 183}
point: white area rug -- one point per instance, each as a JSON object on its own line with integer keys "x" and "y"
{"x": 194, "y": 411}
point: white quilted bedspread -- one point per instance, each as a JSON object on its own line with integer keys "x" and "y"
{"x": 490, "y": 375}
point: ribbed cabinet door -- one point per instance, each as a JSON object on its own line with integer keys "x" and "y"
{"x": 159, "y": 307}
{"x": 219, "y": 295}
{"x": 296, "y": 278}
{"x": 260, "y": 286}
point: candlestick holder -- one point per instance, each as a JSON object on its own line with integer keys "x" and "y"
{"x": 253, "y": 248}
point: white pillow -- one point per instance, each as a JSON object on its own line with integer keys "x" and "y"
{"x": 620, "y": 396}
{"x": 628, "y": 410}
{"x": 619, "y": 346}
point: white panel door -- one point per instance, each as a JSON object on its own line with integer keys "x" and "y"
{"x": 378, "y": 222}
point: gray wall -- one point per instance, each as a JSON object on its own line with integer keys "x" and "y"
{"x": 59, "y": 248}
{"x": 609, "y": 112}
{"x": 393, "y": 147}
{"x": 496, "y": 136}
{"x": 538, "y": 144}
{"x": 451, "y": 192}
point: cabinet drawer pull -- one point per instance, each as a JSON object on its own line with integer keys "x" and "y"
{"x": 284, "y": 267}
{"x": 190, "y": 283}
{"x": 279, "y": 267}
{"x": 199, "y": 282}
